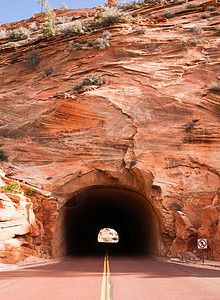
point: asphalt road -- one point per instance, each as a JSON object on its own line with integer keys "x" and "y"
{"x": 110, "y": 278}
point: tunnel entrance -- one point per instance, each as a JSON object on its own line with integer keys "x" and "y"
{"x": 90, "y": 210}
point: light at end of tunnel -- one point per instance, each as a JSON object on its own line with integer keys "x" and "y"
{"x": 108, "y": 235}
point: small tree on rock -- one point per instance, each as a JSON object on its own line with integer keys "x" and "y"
{"x": 43, "y": 4}
{"x": 63, "y": 6}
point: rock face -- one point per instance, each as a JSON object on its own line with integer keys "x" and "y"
{"x": 210, "y": 226}
{"x": 186, "y": 234}
{"x": 21, "y": 233}
{"x": 152, "y": 127}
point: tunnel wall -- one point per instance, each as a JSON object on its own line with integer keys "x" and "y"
{"x": 91, "y": 209}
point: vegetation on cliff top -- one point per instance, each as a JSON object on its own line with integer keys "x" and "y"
{"x": 13, "y": 187}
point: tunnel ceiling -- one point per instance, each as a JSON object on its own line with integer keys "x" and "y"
{"x": 126, "y": 211}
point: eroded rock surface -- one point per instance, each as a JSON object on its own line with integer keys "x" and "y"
{"x": 21, "y": 225}
{"x": 153, "y": 126}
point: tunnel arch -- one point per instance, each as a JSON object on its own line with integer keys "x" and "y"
{"x": 89, "y": 210}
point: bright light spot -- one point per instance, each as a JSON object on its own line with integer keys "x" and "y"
{"x": 108, "y": 235}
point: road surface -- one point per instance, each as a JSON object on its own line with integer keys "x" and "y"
{"x": 110, "y": 278}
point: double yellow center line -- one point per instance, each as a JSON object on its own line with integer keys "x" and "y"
{"x": 106, "y": 280}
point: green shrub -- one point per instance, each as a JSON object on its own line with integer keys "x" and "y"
{"x": 63, "y": 20}
{"x": 112, "y": 14}
{"x": 30, "y": 192}
{"x": 193, "y": 5}
{"x": 32, "y": 59}
{"x": 211, "y": 8}
{"x": 19, "y": 34}
{"x": 133, "y": 5}
{"x": 3, "y": 157}
{"x": 68, "y": 29}
{"x": 103, "y": 41}
{"x": 9, "y": 45}
{"x": 215, "y": 87}
{"x": 49, "y": 15}
{"x": 75, "y": 46}
{"x": 48, "y": 29}
{"x": 195, "y": 42}
{"x": 205, "y": 15}
{"x": 139, "y": 30}
{"x": 12, "y": 187}
{"x": 196, "y": 29}
{"x": 91, "y": 80}
{"x": 185, "y": 42}
{"x": 169, "y": 14}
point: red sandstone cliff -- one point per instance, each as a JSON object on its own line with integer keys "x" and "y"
{"x": 157, "y": 110}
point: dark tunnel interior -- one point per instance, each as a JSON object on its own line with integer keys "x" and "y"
{"x": 126, "y": 211}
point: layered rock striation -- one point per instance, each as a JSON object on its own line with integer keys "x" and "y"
{"x": 152, "y": 125}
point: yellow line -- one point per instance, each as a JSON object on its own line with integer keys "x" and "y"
{"x": 108, "y": 277}
{"x": 103, "y": 280}
{"x": 108, "y": 268}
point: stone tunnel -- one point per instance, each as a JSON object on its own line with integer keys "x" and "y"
{"x": 92, "y": 208}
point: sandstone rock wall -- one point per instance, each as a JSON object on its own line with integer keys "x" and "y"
{"x": 22, "y": 230}
{"x": 156, "y": 114}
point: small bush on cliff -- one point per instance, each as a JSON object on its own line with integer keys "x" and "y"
{"x": 205, "y": 15}
{"x": 43, "y": 4}
{"x": 193, "y": 5}
{"x": 48, "y": 29}
{"x": 63, "y": 6}
{"x": 12, "y": 187}
{"x": 195, "y": 42}
{"x": 139, "y": 30}
{"x": 30, "y": 192}
{"x": 94, "y": 80}
{"x": 49, "y": 15}
{"x": 169, "y": 14}
{"x": 68, "y": 29}
{"x": 19, "y": 34}
{"x": 133, "y": 5}
{"x": 211, "y": 8}
{"x": 91, "y": 80}
{"x": 9, "y": 45}
{"x": 215, "y": 87}
{"x": 32, "y": 59}
{"x": 3, "y": 157}
{"x": 112, "y": 14}
{"x": 63, "y": 20}
{"x": 196, "y": 29}
{"x": 103, "y": 41}
{"x": 75, "y": 46}
{"x": 3, "y": 34}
